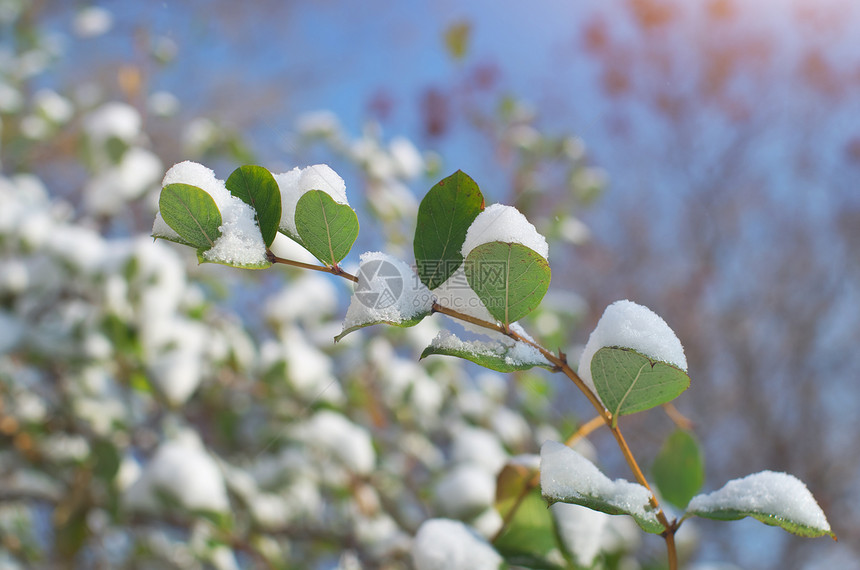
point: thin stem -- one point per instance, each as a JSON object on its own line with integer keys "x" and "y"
{"x": 584, "y": 430}
{"x": 437, "y": 308}
{"x": 671, "y": 551}
{"x": 676, "y": 416}
{"x": 333, "y": 269}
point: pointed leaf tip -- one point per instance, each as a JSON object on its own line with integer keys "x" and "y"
{"x": 444, "y": 217}
{"x": 776, "y": 499}
{"x": 568, "y": 477}
{"x": 256, "y": 186}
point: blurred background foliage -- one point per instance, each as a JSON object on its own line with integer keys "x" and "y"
{"x": 700, "y": 158}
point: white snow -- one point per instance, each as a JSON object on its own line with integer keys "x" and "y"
{"x": 92, "y": 21}
{"x": 444, "y": 544}
{"x": 768, "y": 492}
{"x": 119, "y": 120}
{"x": 628, "y": 325}
{"x": 512, "y": 428}
{"x": 240, "y": 241}
{"x": 198, "y": 135}
{"x": 110, "y": 190}
{"x": 332, "y": 434}
{"x": 388, "y": 291}
{"x": 488, "y": 523}
{"x": 478, "y": 446}
{"x": 184, "y": 470}
{"x": 565, "y": 474}
{"x": 296, "y": 182}
{"x": 515, "y": 354}
{"x": 12, "y": 330}
{"x": 53, "y": 106}
{"x": 465, "y": 490}
{"x": 309, "y": 297}
{"x": 79, "y": 245}
{"x": 35, "y": 127}
{"x": 162, "y": 230}
{"x": 318, "y": 123}
{"x": 581, "y": 531}
{"x": 574, "y": 230}
{"x": 309, "y": 370}
{"x": 408, "y": 162}
{"x": 530, "y": 461}
{"x": 163, "y": 104}
{"x": 11, "y": 100}
{"x": 177, "y": 371}
{"x": 64, "y": 447}
{"x": 505, "y": 224}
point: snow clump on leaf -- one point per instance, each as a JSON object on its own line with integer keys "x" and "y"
{"x": 628, "y": 325}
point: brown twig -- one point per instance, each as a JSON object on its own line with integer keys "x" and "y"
{"x": 676, "y": 416}
{"x": 333, "y": 269}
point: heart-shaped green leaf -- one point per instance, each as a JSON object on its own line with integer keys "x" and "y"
{"x": 444, "y": 217}
{"x": 776, "y": 499}
{"x": 679, "y": 470}
{"x": 256, "y": 186}
{"x": 493, "y": 355}
{"x": 191, "y": 213}
{"x": 628, "y": 381}
{"x": 509, "y": 278}
{"x": 326, "y": 229}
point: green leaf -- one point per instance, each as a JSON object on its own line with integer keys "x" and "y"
{"x": 256, "y": 186}
{"x": 568, "y": 477}
{"x": 174, "y": 239}
{"x": 529, "y": 539}
{"x": 509, "y": 278}
{"x": 403, "y": 324}
{"x": 201, "y": 258}
{"x": 191, "y": 213}
{"x": 776, "y": 499}
{"x": 679, "y": 470}
{"x": 628, "y": 381}
{"x": 71, "y": 535}
{"x": 457, "y": 39}
{"x": 493, "y": 355}
{"x": 327, "y": 229}
{"x": 444, "y": 217}
{"x": 106, "y": 459}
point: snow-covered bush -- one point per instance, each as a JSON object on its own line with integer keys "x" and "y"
{"x": 145, "y": 424}
{"x": 499, "y": 263}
